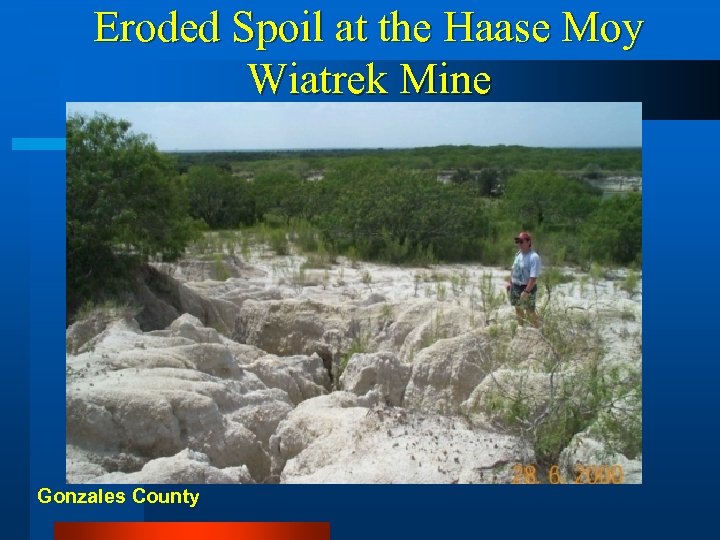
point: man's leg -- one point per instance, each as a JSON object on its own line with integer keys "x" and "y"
{"x": 530, "y": 313}
{"x": 532, "y": 316}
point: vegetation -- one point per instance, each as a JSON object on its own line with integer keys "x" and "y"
{"x": 124, "y": 206}
{"x": 128, "y": 203}
{"x": 217, "y": 198}
{"x": 546, "y": 200}
{"x": 614, "y": 232}
{"x": 589, "y": 162}
{"x": 400, "y": 216}
{"x": 575, "y": 389}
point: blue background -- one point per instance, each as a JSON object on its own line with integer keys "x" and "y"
{"x": 49, "y": 59}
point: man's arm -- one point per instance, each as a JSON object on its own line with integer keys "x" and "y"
{"x": 530, "y": 284}
{"x": 534, "y": 271}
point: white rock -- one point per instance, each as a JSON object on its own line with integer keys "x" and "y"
{"x": 330, "y": 440}
{"x": 136, "y": 401}
{"x": 438, "y": 322}
{"x": 302, "y": 377}
{"x": 151, "y": 396}
{"x": 190, "y": 327}
{"x": 289, "y": 327}
{"x": 445, "y": 373}
{"x": 528, "y": 350}
{"x": 185, "y": 467}
{"x": 382, "y": 372}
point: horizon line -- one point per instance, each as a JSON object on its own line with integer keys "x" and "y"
{"x": 379, "y": 148}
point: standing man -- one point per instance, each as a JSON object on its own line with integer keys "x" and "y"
{"x": 525, "y": 271}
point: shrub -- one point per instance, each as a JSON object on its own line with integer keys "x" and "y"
{"x": 218, "y": 198}
{"x": 582, "y": 392}
{"x": 630, "y": 284}
{"x": 278, "y": 241}
{"x": 125, "y": 205}
{"x": 614, "y": 232}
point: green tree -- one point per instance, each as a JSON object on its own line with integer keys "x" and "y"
{"x": 544, "y": 199}
{"x": 218, "y": 198}
{"x": 124, "y": 206}
{"x": 614, "y": 232}
{"x": 397, "y": 215}
{"x": 280, "y": 194}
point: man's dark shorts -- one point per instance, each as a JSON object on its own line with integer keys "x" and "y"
{"x": 527, "y": 303}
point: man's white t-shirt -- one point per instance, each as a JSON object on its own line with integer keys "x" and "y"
{"x": 525, "y": 266}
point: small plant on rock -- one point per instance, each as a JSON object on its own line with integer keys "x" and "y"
{"x": 490, "y": 299}
{"x": 358, "y": 345}
{"x": 630, "y": 284}
{"x": 220, "y": 271}
{"x": 366, "y": 279}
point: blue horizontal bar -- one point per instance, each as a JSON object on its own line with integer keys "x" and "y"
{"x": 38, "y": 143}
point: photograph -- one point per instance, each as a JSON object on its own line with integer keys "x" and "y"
{"x": 354, "y": 293}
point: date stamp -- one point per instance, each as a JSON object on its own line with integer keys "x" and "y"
{"x": 583, "y": 474}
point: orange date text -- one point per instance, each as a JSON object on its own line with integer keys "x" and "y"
{"x": 583, "y": 474}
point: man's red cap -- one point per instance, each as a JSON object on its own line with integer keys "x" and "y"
{"x": 523, "y": 236}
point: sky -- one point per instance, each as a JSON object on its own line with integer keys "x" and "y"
{"x": 266, "y": 126}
